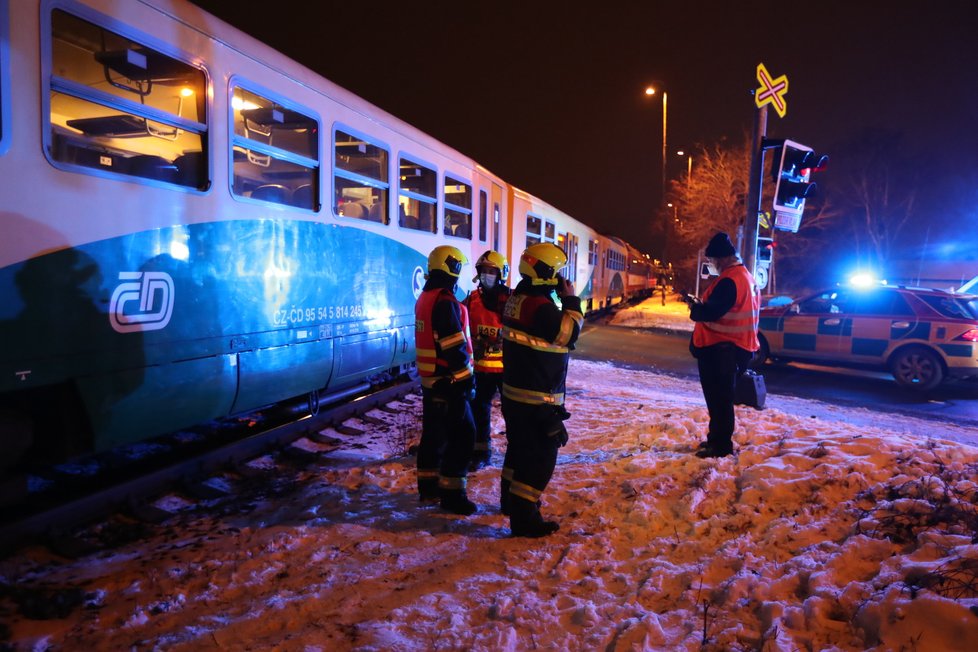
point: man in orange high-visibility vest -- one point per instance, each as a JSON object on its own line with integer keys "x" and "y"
{"x": 724, "y": 340}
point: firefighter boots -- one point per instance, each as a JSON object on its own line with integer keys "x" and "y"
{"x": 525, "y": 519}
{"x": 456, "y": 502}
{"x": 428, "y": 489}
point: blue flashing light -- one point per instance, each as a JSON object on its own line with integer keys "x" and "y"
{"x": 865, "y": 280}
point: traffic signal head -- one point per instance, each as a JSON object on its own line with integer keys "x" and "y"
{"x": 765, "y": 250}
{"x": 793, "y": 177}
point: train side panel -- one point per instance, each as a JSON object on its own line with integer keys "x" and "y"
{"x": 195, "y": 226}
{"x": 155, "y": 304}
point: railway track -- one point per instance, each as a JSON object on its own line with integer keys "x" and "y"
{"x": 55, "y": 524}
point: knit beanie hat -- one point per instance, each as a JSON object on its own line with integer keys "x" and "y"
{"x": 720, "y": 246}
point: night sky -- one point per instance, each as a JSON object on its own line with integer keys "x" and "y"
{"x": 549, "y": 95}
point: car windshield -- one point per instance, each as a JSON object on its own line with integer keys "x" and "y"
{"x": 951, "y": 306}
{"x": 829, "y": 301}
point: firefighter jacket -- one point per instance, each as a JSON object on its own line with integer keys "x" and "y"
{"x": 486, "y": 319}
{"x": 738, "y": 324}
{"x": 537, "y": 340}
{"x": 441, "y": 337}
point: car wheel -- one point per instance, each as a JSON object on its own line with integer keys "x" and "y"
{"x": 761, "y": 355}
{"x": 917, "y": 368}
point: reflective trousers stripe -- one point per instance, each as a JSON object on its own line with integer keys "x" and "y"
{"x": 450, "y": 483}
{"x": 525, "y": 491}
{"x": 427, "y": 474}
{"x": 531, "y": 397}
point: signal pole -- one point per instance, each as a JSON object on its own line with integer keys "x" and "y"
{"x": 749, "y": 244}
{"x": 771, "y": 91}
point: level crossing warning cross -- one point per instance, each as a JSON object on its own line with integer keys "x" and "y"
{"x": 771, "y": 91}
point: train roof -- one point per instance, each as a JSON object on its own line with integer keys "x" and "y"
{"x": 246, "y": 45}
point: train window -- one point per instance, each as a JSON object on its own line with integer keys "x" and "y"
{"x": 458, "y": 208}
{"x": 534, "y": 226}
{"x": 119, "y": 106}
{"x": 495, "y": 225}
{"x": 483, "y": 215}
{"x": 360, "y": 178}
{"x": 550, "y": 232}
{"x": 568, "y": 242}
{"x": 418, "y": 199}
{"x": 592, "y": 252}
{"x": 275, "y": 151}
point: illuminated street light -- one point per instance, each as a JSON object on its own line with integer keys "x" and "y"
{"x": 650, "y": 91}
{"x": 689, "y": 168}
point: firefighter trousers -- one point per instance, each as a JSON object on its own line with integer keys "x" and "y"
{"x": 486, "y": 386}
{"x": 531, "y": 447}
{"x": 447, "y": 434}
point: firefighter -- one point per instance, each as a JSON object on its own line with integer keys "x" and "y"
{"x": 537, "y": 340}
{"x": 485, "y": 305}
{"x": 724, "y": 340}
{"x": 444, "y": 355}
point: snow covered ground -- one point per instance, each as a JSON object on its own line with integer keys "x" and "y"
{"x": 830, "y": 529}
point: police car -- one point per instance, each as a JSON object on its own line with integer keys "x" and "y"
{"x": 921, "y": 335}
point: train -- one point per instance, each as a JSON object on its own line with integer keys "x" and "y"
{"x": 195, "y": 226}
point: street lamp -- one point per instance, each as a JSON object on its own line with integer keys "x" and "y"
{"x": 650, "y": 91}
{"x": 689, "y": 168}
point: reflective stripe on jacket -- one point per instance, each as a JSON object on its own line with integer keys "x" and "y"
{"x": 537, "y": 339}
{"x": 739, "y": 324}
{"x": 433, "y": 339}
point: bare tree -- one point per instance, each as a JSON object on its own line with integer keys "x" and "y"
{"x": 713, "y": 198}
{"x": 880, "y": 195}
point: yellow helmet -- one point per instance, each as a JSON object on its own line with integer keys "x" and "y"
{"x": 497, "y": 260}
{"x": 447, "y": 259}
{"x": 540, "y": 263}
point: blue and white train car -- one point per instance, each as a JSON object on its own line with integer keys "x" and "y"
{"x": 195, "y": 225}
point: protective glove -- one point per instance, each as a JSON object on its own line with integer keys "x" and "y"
{"x": 558, "y": 432}
{"x": 465, "y": 388}
{"x": 555, "y": 425}
{"x": 442, "y": 387}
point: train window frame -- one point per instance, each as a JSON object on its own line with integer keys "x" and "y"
{"x": 534, "y": 229}
{"x": 4, "y": 78}
{"x": 537, "y": 236}
{"x": 483, "y": 215}
{"x": 258, "y": 149}
{"x": 409, "y": 195}
{"x": 568, "y": 242}
{"x": 496, "y": 214}
{"x": 365, "y": 181}
{"x": 453, "y": 211}
{"x": 157, "y": 170}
